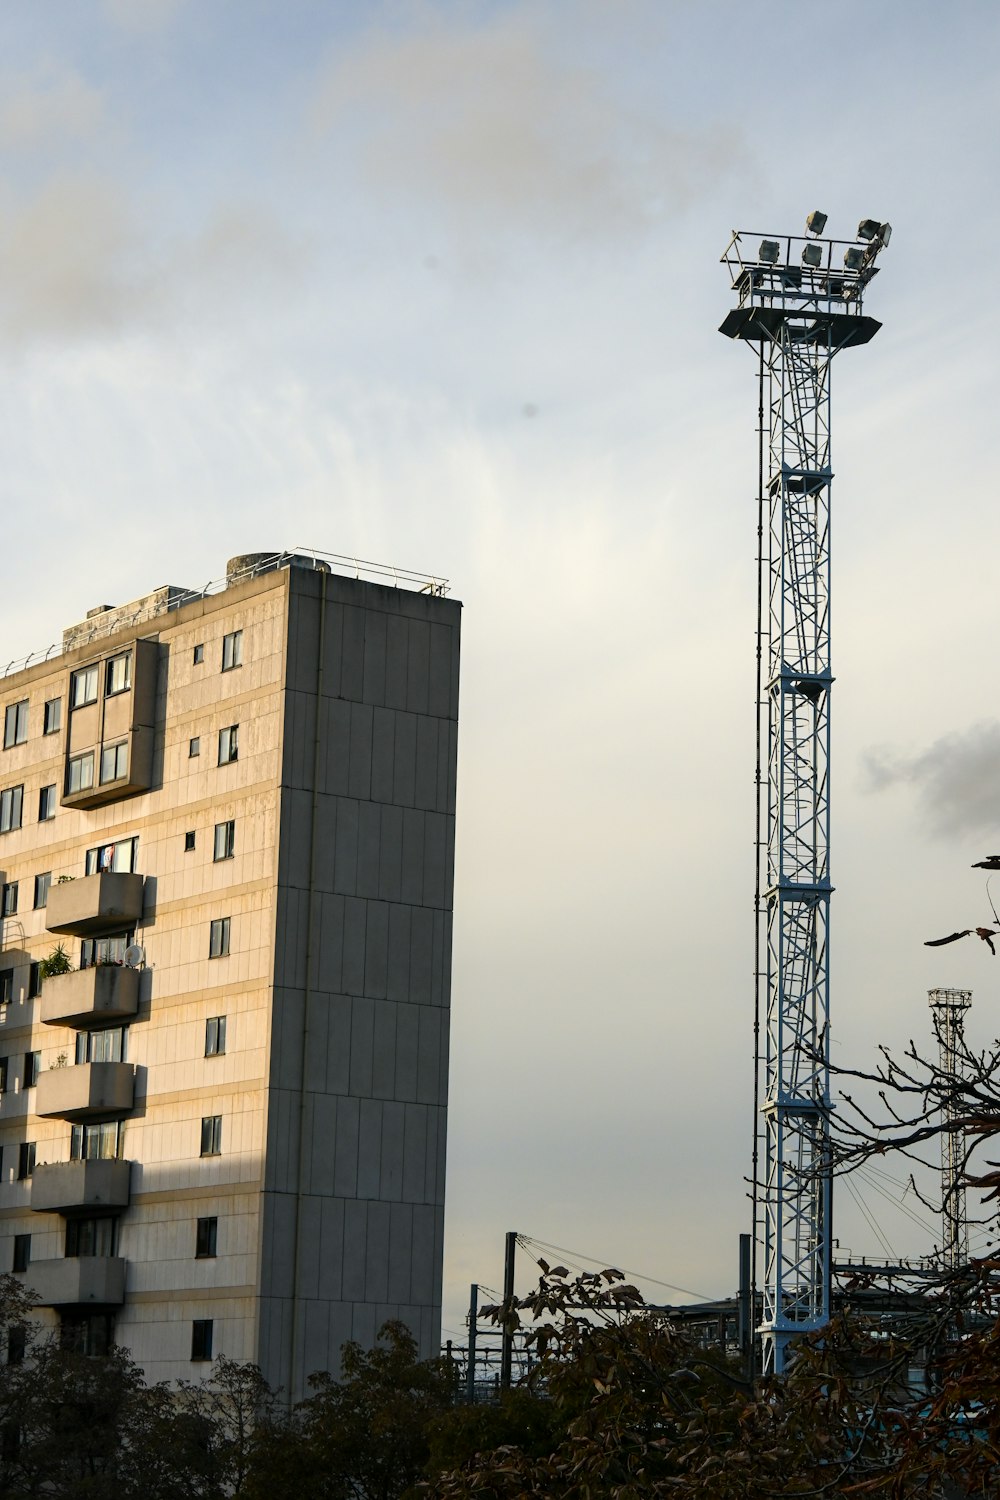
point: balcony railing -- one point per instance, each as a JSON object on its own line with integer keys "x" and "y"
{"x": 69, "y": 1186}
{"x": 86, "y": 1089}
{"x": 90, "y": 997}
{"x": 94, "y": 903}
{"x": 88, "y": 1280}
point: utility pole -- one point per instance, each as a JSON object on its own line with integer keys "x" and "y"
{"x": 507, "y": 1341}
{"x": 470, "y": 1371}
{"x": 799, "y": 301}
{"x": 949, "y": 1009}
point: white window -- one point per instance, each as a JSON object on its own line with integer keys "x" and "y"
{"x": 229, "y": 744}
{"x": 215, "y": 1036}
{"x": 218, "y": 941}
{"x": 118, "y": 674}
{"x": 52, "y": 717}
{"x": 11, "y": 804}
{"x": 83, "y": 687}
{"x": 80, "y": 772}
{"x": 46, "y": 803}
{"x": 232, "y": 650}
{"x": 211, "y": 1135}
{"x": 225, "y": 840}
{"x": 119, "y": 856}
{"x": 15, "y": 724}
{"x": 42, "y": 883}
{"x": 114, "y": 762}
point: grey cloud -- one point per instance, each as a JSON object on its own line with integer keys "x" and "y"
{"x": 74, "y": 262}
{"x": 54, "y": 105}
{"x": 494, "y": 126}
{"x": 957, "y": 779}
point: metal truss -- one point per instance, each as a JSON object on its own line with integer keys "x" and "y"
{"x": 800, "y": 316}
{"x": 949, "y": 1008}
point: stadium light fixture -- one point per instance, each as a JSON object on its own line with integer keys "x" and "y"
{"x": 812, "y": 255}
{"x": 816, "y": 223}
{"x": 769, "y": 251}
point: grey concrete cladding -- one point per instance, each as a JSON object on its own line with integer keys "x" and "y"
{"x": 353, "y": 1217}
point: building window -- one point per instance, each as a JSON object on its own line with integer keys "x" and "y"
{"x": 205, "y": 1239}
{"x": 4, "y": 1069}
{"x": 199, "y": 654}
{"x": 34, "y": 980}
{"x": 218, "y": 940}
{"x": 25, "y": 1160}
{"x": 80, "y": 772}
{"x": 232, "y": 650}
{"x": 42, "y": 883}
{"x": 194, "y": 746}
{"x": 92, "y": 1334}
{"x": 215, "y": 1036}
{"x": 189, "y": 841}
{"x": 105, "y": 950}
{"x": 211, "y": 1135}
{"x": 52, "y": 716}
{"x": 32, "y": 1068}
{"x": 119, "y": 856}
{"x": 15, "y": 724}
{"x": 87, "y": 1237}
{"x": 46, "y": 803}
{"x": 83, "y": 687}
{"x": 107, "y": 1045}
{"x": 118, "y": 674}
{"x": 96, "y": 1142}
{"x": 17, "y": 1343}
{"x": 6, "y": 986}
{"x": 225, "y": 840}
{"x": 201, "y": 1338}
{"x": 22, "y": 1252}
{"x": 8, "y": 899}
{"x": 229, "y": 744}
{"x": 11, "y": 803}
{"x": 114, "y": 762}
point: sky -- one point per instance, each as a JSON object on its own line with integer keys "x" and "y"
{"x": 436, "y": 284}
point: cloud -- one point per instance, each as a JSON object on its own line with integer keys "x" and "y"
{"x": 54, "y": 104}
{"x": 74, "y": 261}
{"x": 141, "y": 15}
{"x": 957, "y": 779}
{"x": 496, "y": 127}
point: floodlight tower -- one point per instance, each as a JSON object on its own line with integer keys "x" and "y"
{"x": 949, "y": 1008}
{"x": 799, "y": 301}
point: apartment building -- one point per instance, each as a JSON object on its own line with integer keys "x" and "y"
{"x": 226, "y": 860}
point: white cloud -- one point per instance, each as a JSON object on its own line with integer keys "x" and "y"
{"x": 957, "y": 779}
{"x": 492, "y": 124}
{"x": 141, "y": 15}
{"x": 53, "y": 105}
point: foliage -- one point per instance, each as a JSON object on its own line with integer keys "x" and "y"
{"x": 57, "y": 962}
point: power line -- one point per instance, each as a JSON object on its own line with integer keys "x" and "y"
{"x": 527, "y": 1239}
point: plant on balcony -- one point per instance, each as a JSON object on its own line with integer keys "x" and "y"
{"x": 58, "y": 962}
{"x": 65, "y": 879}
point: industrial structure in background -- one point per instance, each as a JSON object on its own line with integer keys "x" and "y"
{"x": 800, "y": 303}
{"x": 949, "y": 1008}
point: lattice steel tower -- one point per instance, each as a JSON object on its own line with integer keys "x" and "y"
{"x": 800, "y": 302}
{"x": 949, "y": 1009}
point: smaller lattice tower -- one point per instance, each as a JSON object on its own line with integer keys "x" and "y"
{"x": 948, "y": 1008}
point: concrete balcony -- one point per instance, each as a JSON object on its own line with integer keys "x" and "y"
{"x": 64, "y": 1187}
{"x": 91, "y": 997}
{"x": 87, "y": 1280}
{"x": 94, "y": 904}
{"x": 77, "y": 1093}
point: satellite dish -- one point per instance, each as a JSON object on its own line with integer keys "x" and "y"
{"x": 134, "y": 956}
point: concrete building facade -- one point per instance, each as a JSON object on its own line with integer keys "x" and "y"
{"x": 223, "y": 1128}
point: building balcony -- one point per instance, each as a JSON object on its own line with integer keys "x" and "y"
{"x": 64, "y": 1187}
{"x": 90, "y": 997}
{"x": 87, "y": 1280}
{"x": 86, "y": 1089}
{"x": 94, "y": 903}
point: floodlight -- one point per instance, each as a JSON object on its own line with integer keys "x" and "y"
{"x": 815, "y": 224}
{"x": 854, "y": 258}
{"x": 769, "y": 251}
{"x": 868, "y": 229}
{"x": 812, "y": 255}
{"x": 885, "y": 233}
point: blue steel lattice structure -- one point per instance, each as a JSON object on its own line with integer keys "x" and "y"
{"x": 800, "y": 302}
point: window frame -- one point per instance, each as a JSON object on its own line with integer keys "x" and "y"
{"x": 84, "y": 1133}
{"x": 11, "y": 797}
{"x": 229, "y": 742}
{"x": 84, "y": 758}
{"x": 83, "y": 675}
{"x": 52, "y": 715}
{"x": 215, "y": 1036}
{"x": 34, "y": 979}
{"x": 26, "y": 1159}
{"x": 15, "y": 724}
{"x": 47, "y": 801}
{"x": 232, "y": 650}
{"x": 211, "y": 1135}
{"x": 202, "y": 1330}
{"x": 227, "y": 843}
{"x": 198, "y": 655}
{"x": 30, "y": 1069}
{"x": 94, "y": 864}
{"x": 115, "y": 749}
{"x": 194, "y": 746}
{"x": 206, "y": 1238}
{"x": 110, "y": 664}
{"x": 43, "y": 884}
{"x": 218, "y": 937}
{"x": 8, "y": 898}
{"x": 21, "y": 1259}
